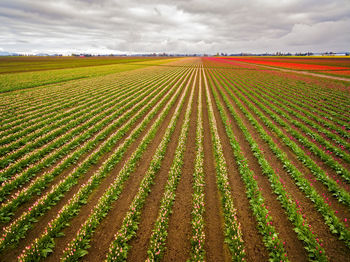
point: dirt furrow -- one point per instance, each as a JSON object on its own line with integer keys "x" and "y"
{"x": 39, "y": 226}
{"x": 67, "y": 171}
{"x": 215, "y": 248}
{"x": 149, "y": 213}
{"x": 334, "y": 248}
{"x": 343, "y": 211}
{"x": 104, "y": 233}
{"x": 179, "y": 231}
{"x": 293, "y": 246}
{"x": 271, "y": 98}
{"x": 313, "y": 156}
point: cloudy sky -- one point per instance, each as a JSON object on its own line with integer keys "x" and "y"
{"x": 185, "y": 26}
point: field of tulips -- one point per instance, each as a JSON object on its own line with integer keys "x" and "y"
{"x": 329, "y": 66}
{"x": 184, "y": 159}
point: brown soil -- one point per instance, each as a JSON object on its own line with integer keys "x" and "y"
{"x": 315, "y": 130}
{"x": 149, "y": 212}
{"x": 308, "y": 95}
{"x": 178, "y": 245}
{"x": 180, "y": 229}
{"x": 65, "y": 173}
{"x": 39, "y": 227}
{"x": 335, "y": 248}
{"x": 316, "y": 159}
{"x": 293, "y": 246}
{"x": 104, "y": 236}
{"x": 343, "y": 211}
{"x": 215, "y": 248}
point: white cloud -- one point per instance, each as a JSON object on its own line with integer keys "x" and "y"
{"x": 331, "y": 34}
{"x": 174, "y": 26}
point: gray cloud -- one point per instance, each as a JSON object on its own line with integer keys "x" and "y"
{"x": 112, "y": 26}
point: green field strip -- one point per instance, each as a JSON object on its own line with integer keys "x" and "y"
{"x": 335, "y": 225}
{"x": 20, "y": 81}
{"x": 23, "y": 177}
{"x": 27, "y": 64}
{"x": 49, "y": 145}
{"x": 38, "y": 248}
{"x": 310, "y": 111}
{"x": 92, "y": 91}
{"x": 338, "y": 168}
{"x": 232, "y": 231}
{"x": 312, "y": 246}
{"x": 293, "y": 110}
{"x": 198, "y": 201}
{"x": 335, "y": 109}
{"x": 157, "y": 242}
{"x": 39, "y": 184}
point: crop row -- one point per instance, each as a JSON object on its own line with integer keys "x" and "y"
{"x": 301, "y": 155}
{"x": 49, "y": 160}
{"x": 270, "y": 235}
{"x": 159, "y": 233}
{"x": 198, "y": 202}
{"x": 311, "y": 111}
{"x": 292, "y": 103}
{"x": 72, "y": 207}
{"x": 293, "y": 110}
{"x": 312, "y": 99}
{"x": 53, "y": 138}
{"x": 50, "y": 102}
{"x": 326, "y": 158}
{"x": 301, "y": 225}
{"x": 19, "y": 227}
{"x": 326, "y": 146}
{"x": 119, "y": 247}
{"x": 53, "y": 123}
{"x": 336, "y": 226}
{"x": 233, "y": 233}
{"x": 37, "y": 186}
{"x": 80, "y": 242}
{"x": 57, "y": 154}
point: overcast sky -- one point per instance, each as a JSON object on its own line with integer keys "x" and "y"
{"x": 185, "y": 26}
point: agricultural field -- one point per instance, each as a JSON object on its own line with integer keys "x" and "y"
{"x": 26, "y": 72}
{"x": 182, "y": 159}
{"x": 335, "y": 66}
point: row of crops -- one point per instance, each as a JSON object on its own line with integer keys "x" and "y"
{"x": 198, "y": 160}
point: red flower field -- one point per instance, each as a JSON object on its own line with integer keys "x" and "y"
{"x": 329, "y": 66}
